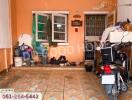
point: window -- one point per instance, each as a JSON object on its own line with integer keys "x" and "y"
{"x": 95, "y": 25}
{"x": 59, "y": 27}
{"x": 41, "y": 22}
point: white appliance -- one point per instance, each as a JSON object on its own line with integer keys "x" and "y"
{"x": 120, "y": 36}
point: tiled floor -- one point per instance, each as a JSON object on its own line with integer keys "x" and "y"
{"x": 58, "y": 84}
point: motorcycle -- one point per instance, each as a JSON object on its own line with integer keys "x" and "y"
{"x": 114, "y": 75}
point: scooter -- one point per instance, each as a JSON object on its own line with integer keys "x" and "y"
{"x": 114, "y": 76}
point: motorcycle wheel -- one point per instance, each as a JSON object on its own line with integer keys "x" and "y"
{"x": 114, "y": 93}
{"x": 124, "y": 87}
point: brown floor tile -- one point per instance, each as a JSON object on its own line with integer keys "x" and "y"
{"x": 58, "y": 84}
{"x": 92, "y": 93}
{"x": 55, "y": 84}
{"x": 53, "y": 96}
{"x": 73, "y": 95}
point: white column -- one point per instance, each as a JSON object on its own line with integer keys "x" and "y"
{"x": 5, "y": 29}
{"x": 124, "y": 10}
{"x": 5, "y": 41}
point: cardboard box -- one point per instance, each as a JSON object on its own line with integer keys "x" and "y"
{"x": 128, "y": 27}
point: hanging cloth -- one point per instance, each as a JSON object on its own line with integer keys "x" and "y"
{"x": 35, "y": 44}
{"x": 49, "y": 31}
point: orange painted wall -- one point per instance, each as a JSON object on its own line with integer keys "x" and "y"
{"x": 8, "y": 55}
{"x": 3, "y": 61}
{"x": 13, "y": 21}
{"x": 74, "y": 51}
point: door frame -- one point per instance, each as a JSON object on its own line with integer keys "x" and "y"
{"x": 107, "y": 13}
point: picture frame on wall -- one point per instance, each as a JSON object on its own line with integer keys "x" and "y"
{"x": 76, "y": 23}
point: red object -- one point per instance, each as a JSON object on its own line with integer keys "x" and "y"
{"x": 107, "y": 69}
{"x": 76, "y": 29}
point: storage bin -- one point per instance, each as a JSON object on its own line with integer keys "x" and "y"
{"x": 108, "y": 55}
{"x": 44, "y": 59}
{"x": 18, "y": 61}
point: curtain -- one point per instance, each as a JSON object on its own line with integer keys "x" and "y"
{"x": 49, "y": 31}
{"x": 35, "y": 44}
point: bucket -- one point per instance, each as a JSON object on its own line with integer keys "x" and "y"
{"x": 18, "y": 61}
{"x": 44, "y": 59}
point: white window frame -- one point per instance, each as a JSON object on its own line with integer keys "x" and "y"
{"x": 65, "y": 16}
{"x": 53, "y": 13}
{"x": 37, "y": 39}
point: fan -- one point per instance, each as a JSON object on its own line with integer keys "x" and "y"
{"x": 89, "y": 46}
